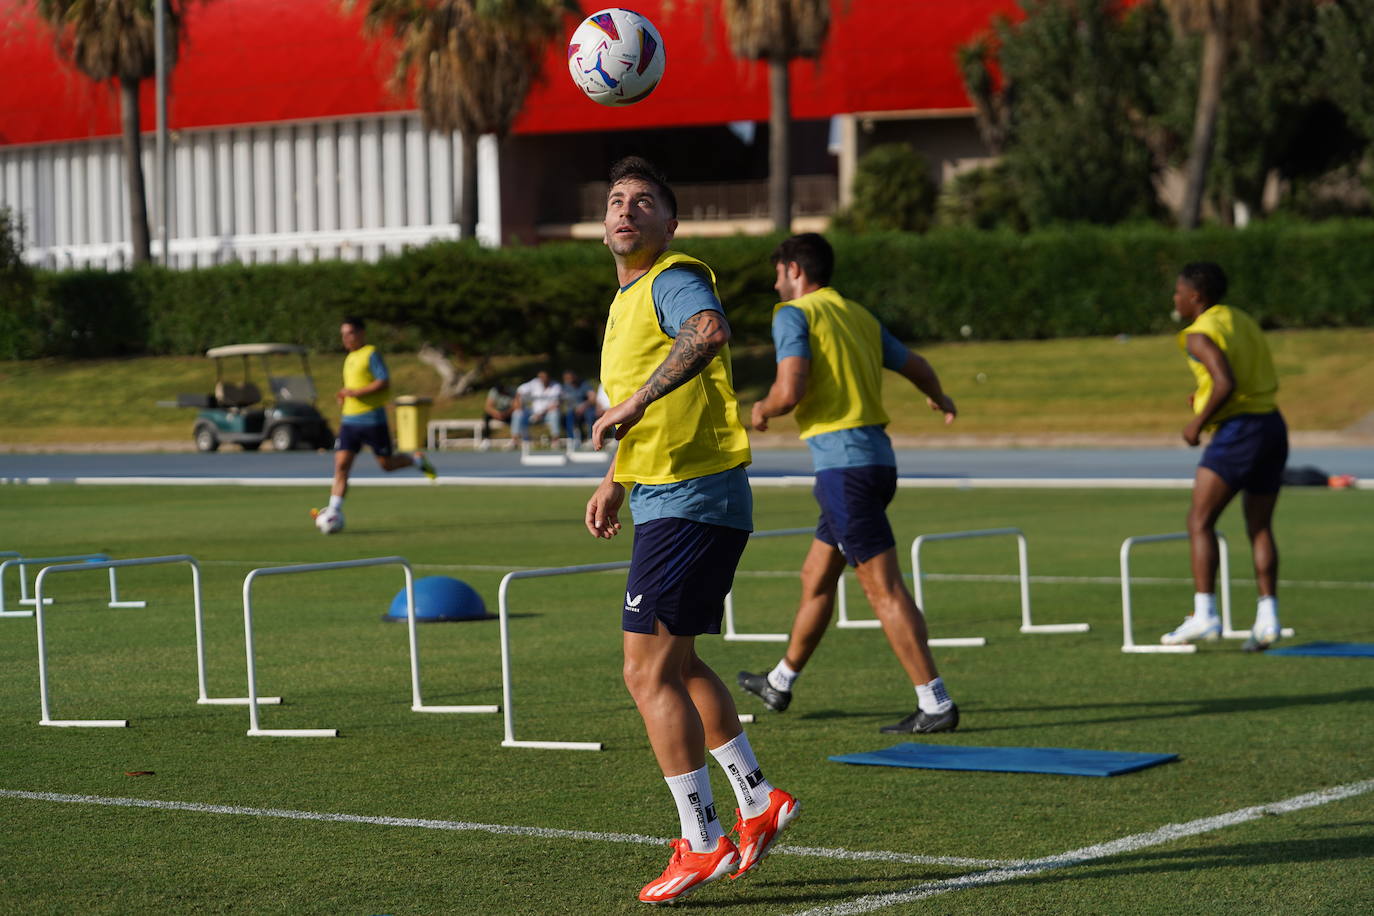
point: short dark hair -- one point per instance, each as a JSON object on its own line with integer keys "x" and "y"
{"x": 644, "y": 170}
{"x": 358, "y": 323}
{"x": 811, "y": 252}
{"x": 1207, "y": 278}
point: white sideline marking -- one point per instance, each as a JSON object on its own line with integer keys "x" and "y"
{"x": 1166, "y": 834}
{"x": 505, "y": 829}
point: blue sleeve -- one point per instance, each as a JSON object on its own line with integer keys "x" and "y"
{"x": 791, "y": 333}
{"x": 377, "y": 367}
{"x": 894, "y": 352}
{"x": 679, "y": 293}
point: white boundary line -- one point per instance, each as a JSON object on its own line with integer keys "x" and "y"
{"x": 782, "y": 480}
{"x": 1166, "y": 834}
{"x": 501, "y": 829}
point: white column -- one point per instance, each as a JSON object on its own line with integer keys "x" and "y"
{"x": 488, "y": 191}
{"x": 441, "y": 166}
{"x": 416, "y": 174}
{"x": 327, "y": 181}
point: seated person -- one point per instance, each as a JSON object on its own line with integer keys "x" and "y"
{"x": 500, "y": 406}
{"x": 537, "y": 401}
{"x": 579, "y": 406}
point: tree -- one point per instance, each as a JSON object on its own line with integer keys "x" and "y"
{"x": 778, "y": 31}
{"x": 470, "y": 63}
{"x": 1222, "y": 24}
{"x": 1067, "y": 96}
{"x": 115, "y": 40}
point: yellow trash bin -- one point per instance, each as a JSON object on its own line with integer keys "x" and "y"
{"x": 412, "y": 421}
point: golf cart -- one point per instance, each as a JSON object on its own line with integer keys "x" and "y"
{"x": 235, "y": 412}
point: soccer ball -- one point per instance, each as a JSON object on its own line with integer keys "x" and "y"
{"x": 330, "y": 521}
{"x": 616, "y": 57}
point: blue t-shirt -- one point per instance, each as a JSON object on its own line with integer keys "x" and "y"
{"x": 376, "y": 416}
{"x": 862, "y": 446}
{"x": 716, "y": 499}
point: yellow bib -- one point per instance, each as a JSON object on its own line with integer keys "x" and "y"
{"x": 357, "y": 373}
{"x": 693, "y": 430}
{"x": 845, "y": 387}
{"x": 1241, "y": 341}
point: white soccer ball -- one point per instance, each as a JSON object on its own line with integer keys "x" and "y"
{"x": 330, "y": 521}
{"x": 616, "y": 57}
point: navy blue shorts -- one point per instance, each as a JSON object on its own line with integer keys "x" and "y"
{"x": 353, "y": 436}
{"x": 680, "y": 573}
{"x": 1248, "y": 451}
{"x": 854, "y": 510}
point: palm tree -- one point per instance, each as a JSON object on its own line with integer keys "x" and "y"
{"x": 778, "y": 31}
{"x": 1222, "y": 23}
{"x": 471, "y": 64}
{"x": 115, "y": 40}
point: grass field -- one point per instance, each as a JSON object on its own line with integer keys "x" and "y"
{"x": 1250, "y": 730}
{"x": 1107, "y": 386}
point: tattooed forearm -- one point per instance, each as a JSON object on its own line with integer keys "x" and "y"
{"x": 698, "y": 341}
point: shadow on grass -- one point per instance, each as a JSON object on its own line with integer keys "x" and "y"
{"x": 1153, "y": 709}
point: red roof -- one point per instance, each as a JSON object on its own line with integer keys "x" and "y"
{"x": 254, "y": 61}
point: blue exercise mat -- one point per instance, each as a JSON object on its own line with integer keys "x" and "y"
{"x": 1328, "y": 649}
{"x": 1063, "y": 760}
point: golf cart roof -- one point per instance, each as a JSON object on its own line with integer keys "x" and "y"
{"x": 257, "y": 349}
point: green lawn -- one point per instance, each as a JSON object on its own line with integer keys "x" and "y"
{"x": 1250, "y": 730}
{"x": 1132, "y": 386}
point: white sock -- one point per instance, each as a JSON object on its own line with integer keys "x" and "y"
{"x": 783, "y": 677}
{"x": 696, "y": 809}
{"x": 933, "y": 697}
{"x": 336, "y": 502}
{"x": 1204, "y": 604}
{"x": 1267, "y": 613}
{"x": 736, "y": 757}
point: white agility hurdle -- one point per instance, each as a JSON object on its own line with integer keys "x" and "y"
{"x": 732, "y": 634}
{"x": 507, "y": 680}
{"x": 1023, "y": 564}
{"x": 41, "y": 603}
{"x": 417, "y": 702}
{"x": 507, "y": 698}
{"x": 1128, "y": 643}
{"x": 23, "y": 562}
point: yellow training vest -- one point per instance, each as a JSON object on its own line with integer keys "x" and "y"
{"x": 357, "y": 373}
{"x": 692, "y": 431}
{"x": 844, "y": 389}
{"x": 1242, "y": 343}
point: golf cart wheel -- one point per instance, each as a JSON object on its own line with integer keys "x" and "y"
{"x": 205, "y": 438}
{"x": 283, "y": 437}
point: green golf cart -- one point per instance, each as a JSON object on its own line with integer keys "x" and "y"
{"x": 236, "y": 412}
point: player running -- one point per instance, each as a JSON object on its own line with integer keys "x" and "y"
{"x": 666, "y": 367}
{"x": 363, "y": 397}
{"x": 830, "y": 357}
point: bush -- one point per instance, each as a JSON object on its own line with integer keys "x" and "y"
{"x": 19, "y": 338}
{"x": 553, "y": 299}
{"x": 893, "y": 192}
{"x": 982, "y": 198}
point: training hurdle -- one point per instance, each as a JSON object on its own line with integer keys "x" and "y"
{"x": 1023, "y": 564}
{"x": 1228, "y": 631}
{"x": 507, "y": 680}
{"x": 507, "y": 698}
{"x": 40, "y": 604}
{"x": 23, "y": 562}
{"x": 417, "y": 703}
{"x": 732, "y": 634}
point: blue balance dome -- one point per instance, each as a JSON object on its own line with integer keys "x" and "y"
{"x": 439, "y": 598}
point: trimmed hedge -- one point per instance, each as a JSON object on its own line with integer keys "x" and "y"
{"x": 1081, "y": 281}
